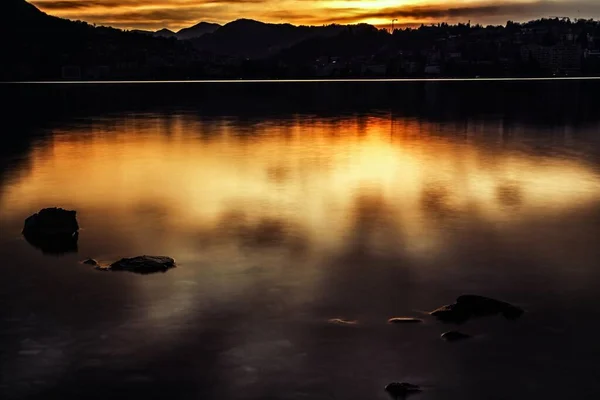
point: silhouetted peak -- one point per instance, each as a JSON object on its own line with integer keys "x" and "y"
{"x": 244, "y": 22}
{"x": 142, "y": 31}
{"x": 200, "y": 29}
{"x": 165, "y": 33}
{"x": 202, "y": 25}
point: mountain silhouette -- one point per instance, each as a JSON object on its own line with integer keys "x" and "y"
{"x": 19, "y": 8}
{"x": 250, "y": 38}
{"x": 15, "y": 13}
{"x": 41, "y": 47}
{"x": 352, "y": 41}
{"x": 166, "y": 33}
{"x": 197, "y": 30}
{"x": 37, "y": 46}
{"x": 192, "y": 32}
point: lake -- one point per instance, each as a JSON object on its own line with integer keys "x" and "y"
{"x": 287, "y": 205}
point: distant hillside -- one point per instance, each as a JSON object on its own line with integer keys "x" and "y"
{"x": 165, "y": 33}
{"x": 37, "y": 46}
{"x": 357, "y": 40}
{"x": 143, "y": 32}
{"x": 40, "y": 46}
{"x": 249, "y": 38}
{"x": 15, "y": 13}
{"x": 197, "y": 30}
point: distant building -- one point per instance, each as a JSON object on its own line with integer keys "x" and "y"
{"x": 563, "y": 58}
{"x": 412, "y": 67}
{"x": 329, "y": 70}
{"x": 591, "y": 54}
{"x": 433, "y": 70}
{"x": 566, "y": 59}
{"x": 374, "y": 70}
{"x": 540, "y": 54}
{"x": 71, "y": 72}
{"x": 97, "y": 72}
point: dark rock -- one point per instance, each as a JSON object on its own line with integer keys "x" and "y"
{"x": 482, "y": 306}
{"x": 452, "y": 313}
{"x": 404, "y": 320}
{"x": 51, "y": 221}
{"x": 90, "y": 261}
{"x": 400, "y": 390}
{"x": 454, "y": 336}
{"x": 54, "y": 244}
{"x": 473, "y": 306}
{"x": 52, "y": 230}
{"x": 143, "y": 264}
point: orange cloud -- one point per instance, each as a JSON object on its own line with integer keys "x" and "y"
{"x": 176, "y": 14}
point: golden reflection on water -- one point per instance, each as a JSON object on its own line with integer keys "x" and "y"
{"x": 302, "y": 174}
{"x": 280, "y": 226}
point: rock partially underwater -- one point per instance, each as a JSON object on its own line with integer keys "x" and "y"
{"x": 142, "y": 264}
{"x": 340, "y": 321}
{"x": 455, "y": 336}
{"x": 401, "y": 390}
{"x": 404, "y": 320}
{"x": 473, "y": 306}
{"x": 52, "y": 230}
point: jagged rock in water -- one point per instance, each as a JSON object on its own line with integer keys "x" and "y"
{"x": 482, "y": 306}
{"x": 404, "y": 320}
{"x": 454, "y": 336}
{"x": 451, "y": 313}
{"x": 54, "y": 244}
{"x": 90, "y": 261}
{"x": 143, "y": 264}
{"x": 400, "y": 390}
{"x": 52, "y": 230}
{"x": 51, "y": 221}
{"x": 473, "y": 306}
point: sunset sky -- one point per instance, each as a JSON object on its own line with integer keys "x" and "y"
{"x": 176, "y": 14}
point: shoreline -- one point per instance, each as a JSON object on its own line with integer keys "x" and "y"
{"x": 350, "y": 80}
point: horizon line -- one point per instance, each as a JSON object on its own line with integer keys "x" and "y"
{"x": 397, "y": 27}
{"x": 386, "y": 26}
{"x": 384, "y": 80}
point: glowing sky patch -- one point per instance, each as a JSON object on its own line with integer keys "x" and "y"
{"x": 177, "y": 14}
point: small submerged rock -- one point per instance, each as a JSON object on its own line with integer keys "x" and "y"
{"x": 340, "y": 321}
{"x": 454, "y": 336}
{"x": 52, "y": 230}
{"x": 404, "y": 320}
{"x": 400, "y": 390}
{"x": 142, "y": 264}
{"x": 90, "y": 261}
{"x": 473, "y": 306}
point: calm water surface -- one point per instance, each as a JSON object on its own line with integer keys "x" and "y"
{"x": 286, "y": 210}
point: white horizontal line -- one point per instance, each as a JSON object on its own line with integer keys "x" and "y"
{"x": 568, "y": 78}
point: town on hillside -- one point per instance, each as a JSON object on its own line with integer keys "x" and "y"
{"x": 49, "y": 48}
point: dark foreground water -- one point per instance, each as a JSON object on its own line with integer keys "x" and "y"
{"x": 287, "y": 205}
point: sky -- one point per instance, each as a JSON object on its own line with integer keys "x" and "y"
{"x": 177, "y": 14}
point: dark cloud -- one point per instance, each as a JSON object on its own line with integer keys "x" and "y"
{"x": 67, "y": 5}
{"x": 82, "y": 5}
